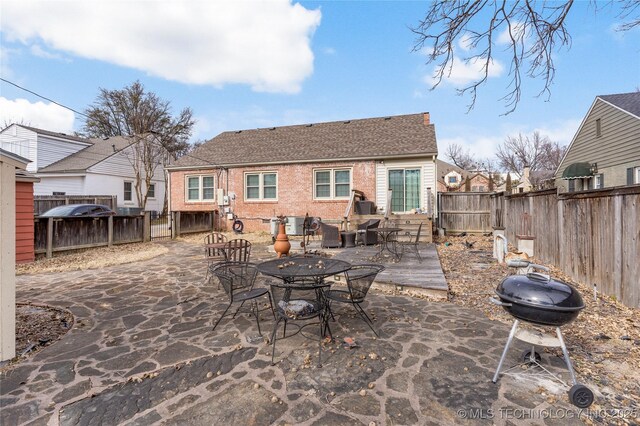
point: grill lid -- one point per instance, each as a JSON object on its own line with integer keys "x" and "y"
{"x": 538, "y": 290}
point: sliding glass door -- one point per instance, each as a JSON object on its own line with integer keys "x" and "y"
{"x": 405, "y": 187}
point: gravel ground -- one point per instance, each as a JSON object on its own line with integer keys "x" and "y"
{"x": 93, "y": 258}
{"x": 603, "y": 342}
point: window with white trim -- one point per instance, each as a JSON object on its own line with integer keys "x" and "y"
{"x": 598, "y": 181}
{"x": 331, "y": 184}
{"x": 637, "y": 175}
{"x": 199, "y": 188}
{"x": 128, "y": 191}
{"x": 151, "y": 191}
{"x": 261, "y": 186}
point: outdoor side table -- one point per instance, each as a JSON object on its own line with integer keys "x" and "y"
{"x": 348, "y": 238}
{"x": 388, "y": 239}
{"x": 303, "y": 274}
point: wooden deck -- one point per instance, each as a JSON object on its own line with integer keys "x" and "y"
{"x": 408, "y": 276}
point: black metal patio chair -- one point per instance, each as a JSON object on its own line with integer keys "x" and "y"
{"x": 300, "y": 300}
{"x": 412, "y": 244}
{"x": 238, "y": 280}
{"x": 214, "y": 250}
{"x": 359, "y": 281}
{"x": 238, "y": 250}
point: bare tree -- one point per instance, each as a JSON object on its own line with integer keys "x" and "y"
{"x": 459, "y": 156}
{"x": 157, "y": 136}
{"x": 536, "y": 152}
{"x": 534, "y": 30}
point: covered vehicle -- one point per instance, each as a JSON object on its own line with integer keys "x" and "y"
{"x": 75, "y": 210}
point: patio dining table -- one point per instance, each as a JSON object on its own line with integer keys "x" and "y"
{"x": 388, "y": 239}
{"x": 303, "y": 275}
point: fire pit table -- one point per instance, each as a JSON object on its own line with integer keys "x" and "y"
{"x": 300, "y": 277}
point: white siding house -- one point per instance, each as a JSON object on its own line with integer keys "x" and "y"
{"x": 71, "y": 165}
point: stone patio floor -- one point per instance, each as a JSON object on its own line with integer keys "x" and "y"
{"x": 142, "y": 352}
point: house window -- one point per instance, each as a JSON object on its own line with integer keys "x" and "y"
{"x": 332, "y": 183}
{"x": 598, "y": 181}
{"x": 405, "y": 189}
{"x": 151, "y": 192}
{"x": 128, "y": 191}
{"x": 200, "y": 188}
{"x": 453, "y": 179}
{"x": 598, "y": 128}
{"x": 637, "y": 175}
{"x": 261, "y": 186}
{"x": 572, "y": 185}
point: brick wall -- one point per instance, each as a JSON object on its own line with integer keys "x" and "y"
{"x": 295, "y": 193}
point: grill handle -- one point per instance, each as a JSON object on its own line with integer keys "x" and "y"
{"x": 499, "y": 302}
{"x": 539, "y": 276}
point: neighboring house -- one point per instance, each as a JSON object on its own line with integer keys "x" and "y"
{"x": 70, "y": 165}
{"x": 605, "y": 151}
{"x": 313, "y": 168}
{"x": 452, "y": 178}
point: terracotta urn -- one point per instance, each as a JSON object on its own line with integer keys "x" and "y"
{"x": 282, "y": 244}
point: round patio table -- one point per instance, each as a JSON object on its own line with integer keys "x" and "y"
{"x": 302, "y": 274}
{"x": 388, "y": 239}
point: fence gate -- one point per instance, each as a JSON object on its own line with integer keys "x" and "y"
{"x": 465, "y": 212}
{"x": 160, "y": 226}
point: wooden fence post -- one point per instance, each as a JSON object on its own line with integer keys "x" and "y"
{"x": 109, "y": 231}
{"x": 175, "y": 225}
{"x": 146, "y": 233}
{"x": 49, "y": 238}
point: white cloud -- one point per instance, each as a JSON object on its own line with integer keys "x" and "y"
{"x": 561, "y": 132}
{"x": 263, "y": 44}
{"x": 329, "y": 51}
{"x": 483, "y": 144}
{"x": 464, "y": 42}
{"x": 517, "y": 32}
{"x": 464, "y": 72}
{"x": 46, "y": 116}
{"x": 37, "y": 50}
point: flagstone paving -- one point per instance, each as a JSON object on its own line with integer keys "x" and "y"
{"x": 142, "y": 352}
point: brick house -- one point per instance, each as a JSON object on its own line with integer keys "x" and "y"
{"x": 314, "y": 168}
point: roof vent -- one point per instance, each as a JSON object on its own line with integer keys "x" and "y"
{"x": 238, "y": 131}
{"x": 387, "y": 118}
{"x": 346, "y": 122}
{"x": 309, "y": 125}
{"x": 272, "y": 128}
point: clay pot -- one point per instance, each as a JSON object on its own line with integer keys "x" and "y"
{"x": 282, "y": 244}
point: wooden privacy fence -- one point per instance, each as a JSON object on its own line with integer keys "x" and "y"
{"x": 42, "y": 203}
{"x": 191, "y": 222}
{"x": 464, "y": 212}
{"x": 592, "y": 236}
{"x": 72, "y": 233}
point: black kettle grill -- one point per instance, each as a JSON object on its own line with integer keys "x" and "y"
{"x": 537, "y": 298}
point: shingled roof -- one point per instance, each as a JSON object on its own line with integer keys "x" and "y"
{"x": 371, "y": 138}
{"x": 55, "y": 134}
{"x": 629, "y": 102}
{"x": 80, "y": 161}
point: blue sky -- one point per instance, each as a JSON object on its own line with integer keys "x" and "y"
{"x": 247, "y": 64}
